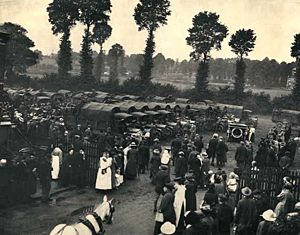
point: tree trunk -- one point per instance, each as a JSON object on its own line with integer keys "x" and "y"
{"x": 239, "y": 84}
{"x": 99, "y": 66}
{"x": 296, "y": 89}
{"x": 201, "y": 78}
{"x": 113, "y": 74}
{"x": 64, "y": 60}
{"x": 146, "y": 68}
{"x": 86, "y": 59}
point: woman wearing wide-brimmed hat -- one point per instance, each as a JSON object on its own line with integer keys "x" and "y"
{"x": 265, "y": 226}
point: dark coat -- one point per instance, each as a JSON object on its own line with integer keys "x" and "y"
{"x": 195, "y": 166}
{"x": 241, "y": 155}
{"x": 181, "y": 167}
{"x": 221, "y": 151}
{"x": 190, "y": 196}
{"x": 199, "y": 144}
{"x": 212, "y": 146}
{"x": 167, "y": 208}
{"x": 144, "y": 153}
{"x": 271, "y": 158}
{"x": 162, "y": 177}
{"x": 210, "y": 198}
{"x": 155, "y": 163}
{"x": 246, "y": 212}
{"x": 132, "y": 161}
{"x": 224, "y": 218}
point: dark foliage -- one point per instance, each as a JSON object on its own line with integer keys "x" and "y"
{"x": 239, "y": 84}
{"x": 63, "y": 15}
{"x": 286, "y": 102}
{"x": 242, "y": 42}
{"x": 149, "y": 15}
{"x": 19, "y": 55}
{"x": 92, "y": 13}
{"x": 101, "y": 33}
{"x": 146, "y": 67}
{"x": 201, "y": 78}
{"x": 115, "y": 54}
{"x": 137, "y": 87}
{"x": 295, "y": 52}
{"x": 86, "y": 59}
{"x": 206, "y": 34}
{"x": 259, "y": 103}
{"x": 64, "y": 60}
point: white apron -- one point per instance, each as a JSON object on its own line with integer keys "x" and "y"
{"x": 55, "y": 167}
{"x": 179, "y": 201}
{"x": 104, "y": 180}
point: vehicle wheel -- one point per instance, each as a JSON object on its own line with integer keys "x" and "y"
{"x": 237, "y": 133}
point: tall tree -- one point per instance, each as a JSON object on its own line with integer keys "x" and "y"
{"x": 92, "y": 12}
{"x": 115, "y": 54}
{"x": 242, "y": 42}
{"x": 101, "y": 33}
{"x": 19, "y": 55}
{"x": 149, "y": 15}
{"x": 295, "y": 52}
{"x": 206, "y": 34}
{"x": 63, "y": 15}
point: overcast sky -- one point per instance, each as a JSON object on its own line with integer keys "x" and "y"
{"x": 275, "y": 22}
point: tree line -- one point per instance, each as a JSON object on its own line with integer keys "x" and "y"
{"x": 205, "y": 35}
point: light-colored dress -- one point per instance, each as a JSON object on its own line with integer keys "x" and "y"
{"x": 179, "y": 202}
{"x": 104, "y": 175}
{"x": 56, "y": 162}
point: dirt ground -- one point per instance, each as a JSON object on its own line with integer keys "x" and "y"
{"x": 133, "y": 203}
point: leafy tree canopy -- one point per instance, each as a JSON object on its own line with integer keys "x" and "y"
{"x": 150, "y": 14}
{"x": 295, "y": 49}
{"x": 94, "y": 11}
{"x": 242, "y": 42}
{"x": 206, "y": 34}
{"x": 62, "y": 15}
{"x": 101, "y": 33}
{"x": 19, "y": 54}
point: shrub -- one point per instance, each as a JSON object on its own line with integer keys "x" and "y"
{"x": 286, "y": 102}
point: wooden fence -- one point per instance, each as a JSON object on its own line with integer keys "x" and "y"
{"x": 270, "y": 181}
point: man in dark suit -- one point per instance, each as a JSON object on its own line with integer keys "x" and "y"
{"x": 245, "y": 213}
{"x": 162, "y": 178}
{"x": 44, "y": 171}
{"x": 241, "y": 155}
{"x": 212, "y": 146}
{"x": 224, "y": 216}
{"x": 181, "y": 166}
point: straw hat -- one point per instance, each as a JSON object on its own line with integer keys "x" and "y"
{"x": 269, "y": 215}
{"x": 133, "y": 144}
{"x": 168, "y": 228}
{"x": 246, "y": 191}
{"x": 297, "y": 206}
{"x": 3, "y": 161}
{"x": 215, "y": 135}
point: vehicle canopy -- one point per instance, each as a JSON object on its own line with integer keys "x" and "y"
{"x": 43, "y": 99}
{"x": 123, "y": 116}
{"x": 182, "y": 100}
{"x": 64, "y": 92}
{"x": 236, "y": 110}
{"x": 100, "y": 115}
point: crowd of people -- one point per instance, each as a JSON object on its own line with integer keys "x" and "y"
{"x": 221, "y": 211}
{"x": 177, "y": 172}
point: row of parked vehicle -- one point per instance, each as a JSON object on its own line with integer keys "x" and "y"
{"x": 125, "y": 113}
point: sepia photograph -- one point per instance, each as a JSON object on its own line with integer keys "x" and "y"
{"x": 149, "y": 117}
